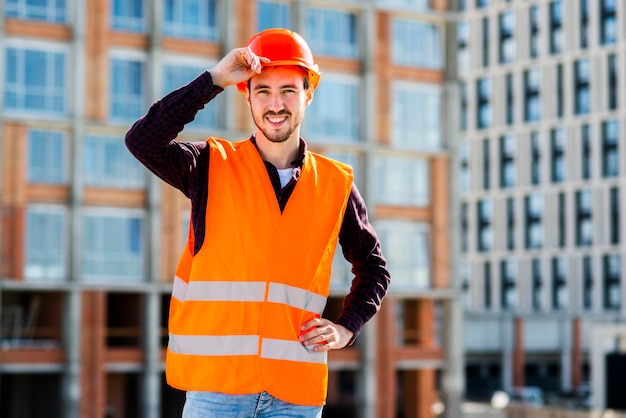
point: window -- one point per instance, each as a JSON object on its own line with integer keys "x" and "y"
{"x": 334, "y": 112}
{"x": 465, "y": 285}
{"x": 537, "y": 285}
{"x": 608, "y": 22}
{"x": 509, "y": 99}
{"x": 273, "y": 15}
{"x": 417, "y": 5}
{"x": 428, "y": 55}
{"x": 614, "y": 216}
{"x": 46, "y": 244}
{"x": 416, "y": 116}
{"x": 508, "y": 285}
{"x": 507, "y": 161}
{"x": 557, "y": 144}
{"x": 587, "y": 283}
{"x": 113, "y": 247}
{"x": 535, "y": 32}
{"x": 178, "y": 74}
{"x": 464, "y": 171}
{"x": 561, "y": 224}
{"x": 486, "y": 165}
{"x": 533, "y": 206}
{"x": 586, "y": 152}
{"x": 584, "y": 218}
{"x": 483, "y": 106}
{"x": 193, "y": 19}
{"x": 560, "y": 299}
{"x": 612, "y": 281}
{"x": 464, "y": 104}
{"x": 559, "y": 91}
{"x": 582, "y": 92}
{"x": 402, "y": 181}
{"x": 128, "y": 15}
{"x": 584, "y": 23}
{"x": 482, "y": 3}
{"x": 485, "y": 232}
{"x": 464, "y": 227}
{"x": 407, "y": 250}
{"x": 485, "y": 41}
{"x": 462, "y": 39}
{"x": 331, "y": 32}
{"x": 556, "y": 27}
{"x": 610, "y": 157}
{"x": 612, "y": 86}
{"x": 45, "y": 10}
{"x": 535, "y": 158}
{"x": 487, "y": 284}
{"x": 36, "y": 81}
{"x": 46, "y": 157}
{"x": 510, "y": 223}
{"x": 107, "y": 163}
{"x": 127, "y": 90}
{"x": 532, "y": 92}
{"x": 507, "y": 37}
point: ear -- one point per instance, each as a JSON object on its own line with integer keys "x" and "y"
{"x": 308, "y": 96}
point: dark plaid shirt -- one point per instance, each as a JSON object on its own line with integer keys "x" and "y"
{"x": 184, "y": 165}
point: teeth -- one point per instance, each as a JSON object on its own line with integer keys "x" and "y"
{"x": 276, "y": 120}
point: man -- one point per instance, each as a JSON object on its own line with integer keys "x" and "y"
{"x": 246, "y": 336}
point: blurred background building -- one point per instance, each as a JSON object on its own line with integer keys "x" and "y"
{"x": 89, "y": 240}
{"x": 541, "y": 163}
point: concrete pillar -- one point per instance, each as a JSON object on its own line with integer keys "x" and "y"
{"x": 453, "y": 376}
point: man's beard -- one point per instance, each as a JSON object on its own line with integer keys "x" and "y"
{"x": 276, "y": 136}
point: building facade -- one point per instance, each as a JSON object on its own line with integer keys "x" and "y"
{"x": 541, "y": 172}
{"x": 90, "y": 239}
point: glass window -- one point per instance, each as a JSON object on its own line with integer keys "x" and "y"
{"x": 484, "y": 225}
{"x": 108, "y": 163}
{"x": 273, "y": 14}
{"x": 561, "y": 224}
{"x": 466, "y": 291}
{"x": 533, "y": 206}
{"x": 464, "y": 104}
{"x": 462, "y": 40}
{"x": 487, "y": 284}
{"x": 507, "y": 37}
{"x": 46, "y": 244}
{"x": 45, "y": 10}
{"x": 586, "y": 152}
{"x": 417, "y": 116}
{"x": 177, "y": 75}
{"x": 418, "y": 5}
{"x": 194, "y": 19}
{"x": 486, "y": 165}
{"x": 507, "y": 161}
{"x": 127, "y": 90}
{"x": 612, "y": 86}
{"x": 587, "y": 283}
{"x": 464, "y": 171}
{"x": 560, "y": 297}
{"x": 128, "y": 15}
{"x": 113, "y": 247}
{"x": 582, "y": 81}
{"x": 509, "y": 99}
{"x": 508, "y": 284}
{"x": 35, "y": 80}
{"x": 510, "y": 223}
{"x": 464, "y": 227}
{"x": 612, "y": 281}
{"x": 535, "y": 158}
{"x": 334, "y": 112}
{"x": 483, "y": 98}
{"x": 537, "y": 285}
{"x": 559, "y": 90}
{"x": 614, "y": 216}
{"x": 485, "y": 41}
{"x": 534, "y": 41}
{"x": 557, "y": 145}
{"x": 404, "y": 52}
{"x": 608, "y": 22}
{"x": 46, "y": 157}
{"x": 532, "y": 95}
{"x": 610, "y": 156}
{"x": 584, "y": 218}
{"x": 406, "y": 247}
{"x": 331, "y": 32}
{"x": 584, "y": 23}
{"x": 482, "y": 3}
{"x": 556, "y": 27}
{"x": 402, "y": 181}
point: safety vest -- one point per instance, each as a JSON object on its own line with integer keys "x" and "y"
{"x": 238, "y": 305}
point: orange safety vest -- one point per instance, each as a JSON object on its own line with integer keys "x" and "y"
{"x": 237, "y": 305}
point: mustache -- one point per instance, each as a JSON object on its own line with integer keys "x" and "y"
{"x": 281, "y": 113}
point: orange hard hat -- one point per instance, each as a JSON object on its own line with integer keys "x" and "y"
{"x": 283, "y": 47}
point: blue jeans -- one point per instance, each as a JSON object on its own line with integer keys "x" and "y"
{"x": 259, "y": 405}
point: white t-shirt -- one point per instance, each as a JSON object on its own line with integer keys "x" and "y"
{"x": 285, "y": 175}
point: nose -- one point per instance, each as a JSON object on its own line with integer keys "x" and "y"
{"x": 276, "y": 103}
